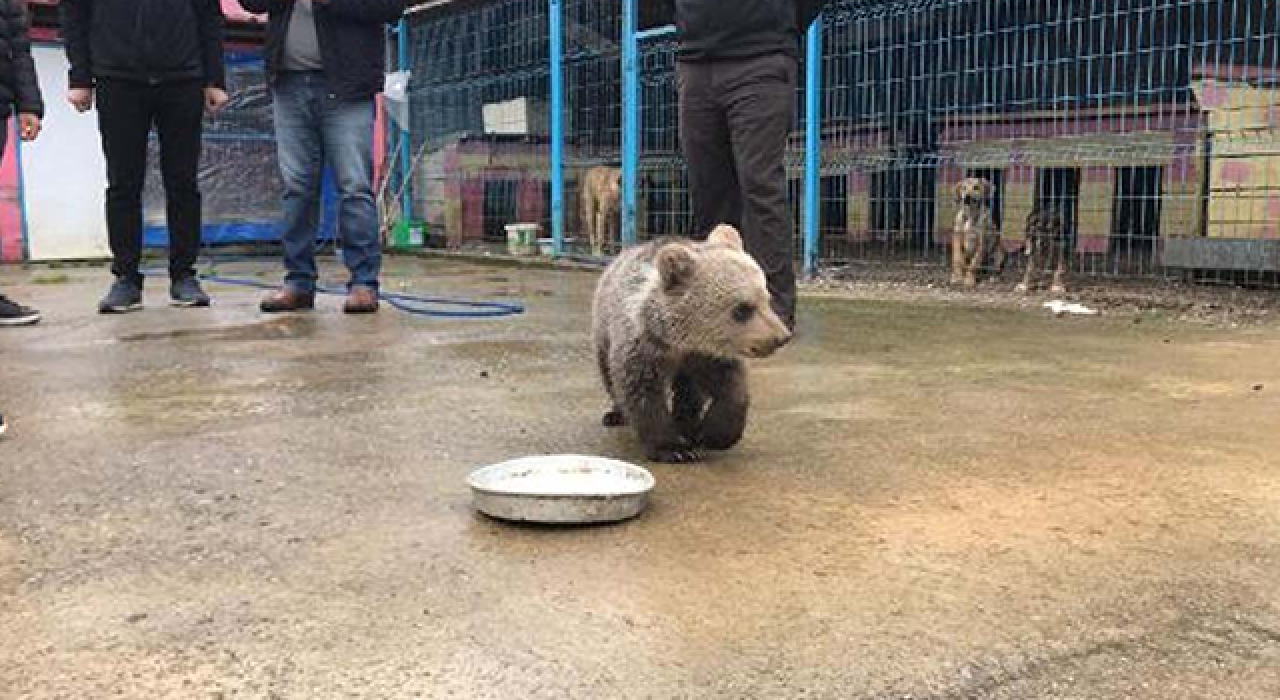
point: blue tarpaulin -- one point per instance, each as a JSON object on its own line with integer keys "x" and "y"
{"x": 239, "y": 173}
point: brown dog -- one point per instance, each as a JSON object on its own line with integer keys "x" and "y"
{"x": 1046, "y": 249}
{"x": 600, "y": 196}
{"x": 975, "y": 238}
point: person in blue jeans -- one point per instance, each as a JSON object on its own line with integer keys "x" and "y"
{"x": 326, "y": 63}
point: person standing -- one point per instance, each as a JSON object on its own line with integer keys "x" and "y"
{"x": 20, "y": 93}
{"x": 736, "y": 76}
{"x": 326, "y": 61}
{"x": 148, "y": 64}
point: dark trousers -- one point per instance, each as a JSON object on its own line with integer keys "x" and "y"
{"x": 126, "y": 113}
{"x": 735, "y": 117}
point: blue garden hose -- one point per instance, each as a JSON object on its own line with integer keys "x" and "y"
{"x": 415, "y": 304}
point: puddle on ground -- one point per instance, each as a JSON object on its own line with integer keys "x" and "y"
{"x": 283, "y": 329}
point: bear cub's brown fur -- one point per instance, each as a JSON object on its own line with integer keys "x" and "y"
{"x": 673, "y": 320}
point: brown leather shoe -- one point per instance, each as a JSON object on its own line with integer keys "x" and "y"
{"x": 287, "y": 300}
{"x": 361, "y": 300}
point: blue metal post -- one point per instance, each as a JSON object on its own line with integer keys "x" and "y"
{"x": 630, "y": 120}
{"x": 812, "y": 147}
{"x": 406, "y": 150}
{"x": 556, "y": 30}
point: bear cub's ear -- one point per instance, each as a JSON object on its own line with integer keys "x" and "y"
{"x": 724, "y": 234}
{"x": 676, "y": 265}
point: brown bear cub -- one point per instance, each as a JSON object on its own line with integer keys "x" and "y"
{"x": 673, "y": 320}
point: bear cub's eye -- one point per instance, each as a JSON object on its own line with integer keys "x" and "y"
{"x": 743, "y": 312}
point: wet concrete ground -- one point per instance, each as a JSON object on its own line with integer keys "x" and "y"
{"x": 932, "y": 502}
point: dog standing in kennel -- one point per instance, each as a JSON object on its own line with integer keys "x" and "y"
{"x": 600, "y": 200}
{"x": 1046, "y": 250}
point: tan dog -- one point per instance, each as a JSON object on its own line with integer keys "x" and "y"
{"x": 600, "y": 196}
{"x": 975, "y": 238}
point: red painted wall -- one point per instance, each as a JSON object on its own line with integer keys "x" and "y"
{"x": 11, "y": 228}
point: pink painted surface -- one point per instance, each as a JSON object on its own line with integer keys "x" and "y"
{"x": 531, "y": 205}
{"x": 11, "y": 222}
{"x": 1012, "y": 246}
{"x": 472, "y": 210}
{"x": 1236, "y": 172}
{"x": 379, "y": 140}
{"x": 1093, "y": 244}
{"x": 1014, "y": 128}
{"x": 1179, "y": 169}
{"x": 1019, "y": 175}
{"x": 1097, "y": 174}
{"x": 1213, "y": 96}
{"x": 1231, "y": 72}
{"x": 232, "y": 10}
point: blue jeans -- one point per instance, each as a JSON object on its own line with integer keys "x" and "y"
{"x": 313, "y": 128}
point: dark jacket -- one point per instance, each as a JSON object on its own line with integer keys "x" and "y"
{"x": 148, "y": 41}
{"x": 712, "y": 30}
{"x": 18, "y": 85}
{"x": 352, "y": 40}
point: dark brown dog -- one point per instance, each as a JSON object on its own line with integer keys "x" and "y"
{"x": 1046, "y": 249}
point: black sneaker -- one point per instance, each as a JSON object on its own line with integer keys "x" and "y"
{"x": 3, "y": 426}
{"x": 186, "y": 293}
{"x": 125, "y": 296}
{"x": 15, "y": 314}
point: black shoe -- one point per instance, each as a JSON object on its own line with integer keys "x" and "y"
{"x": 125, "y": 296}
{"x": 186, "y": 293}
{"x": 15, "y": 314}
{"x": 3, "y": 426}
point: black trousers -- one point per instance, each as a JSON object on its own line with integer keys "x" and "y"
{"x": 735, "y": 117}
{"x": 127, "y": 111}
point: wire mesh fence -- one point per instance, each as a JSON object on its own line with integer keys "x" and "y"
{"x": 593, "y": 117}
{"x": 1148, "y": 125}
{"x": 480, "y": 115}
{"x": 1151, "y": 128}
{"x": 239, "y": 179}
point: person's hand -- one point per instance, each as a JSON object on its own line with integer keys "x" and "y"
{"x": 28, "y": 126}
{"x": 80, "y": 98}
{"x": 215, "y": 99}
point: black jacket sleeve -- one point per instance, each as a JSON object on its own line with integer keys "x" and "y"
{"x": 75, "y": 33}
{"x": 26, "y": 85}
{"x": 807, "y": 11}
{"x": 369, "y": 11}
{"x": 258, "y": 7}
{"x": 211, "y": 29}
{"x": 656, "y": 13}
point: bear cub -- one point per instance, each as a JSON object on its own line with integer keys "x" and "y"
{"x": 672, "y": 321}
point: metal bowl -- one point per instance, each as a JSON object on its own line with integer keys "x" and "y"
{"x": 561, "y": 489}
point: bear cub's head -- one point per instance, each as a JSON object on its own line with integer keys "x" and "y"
{"x": 715, "y": 298}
